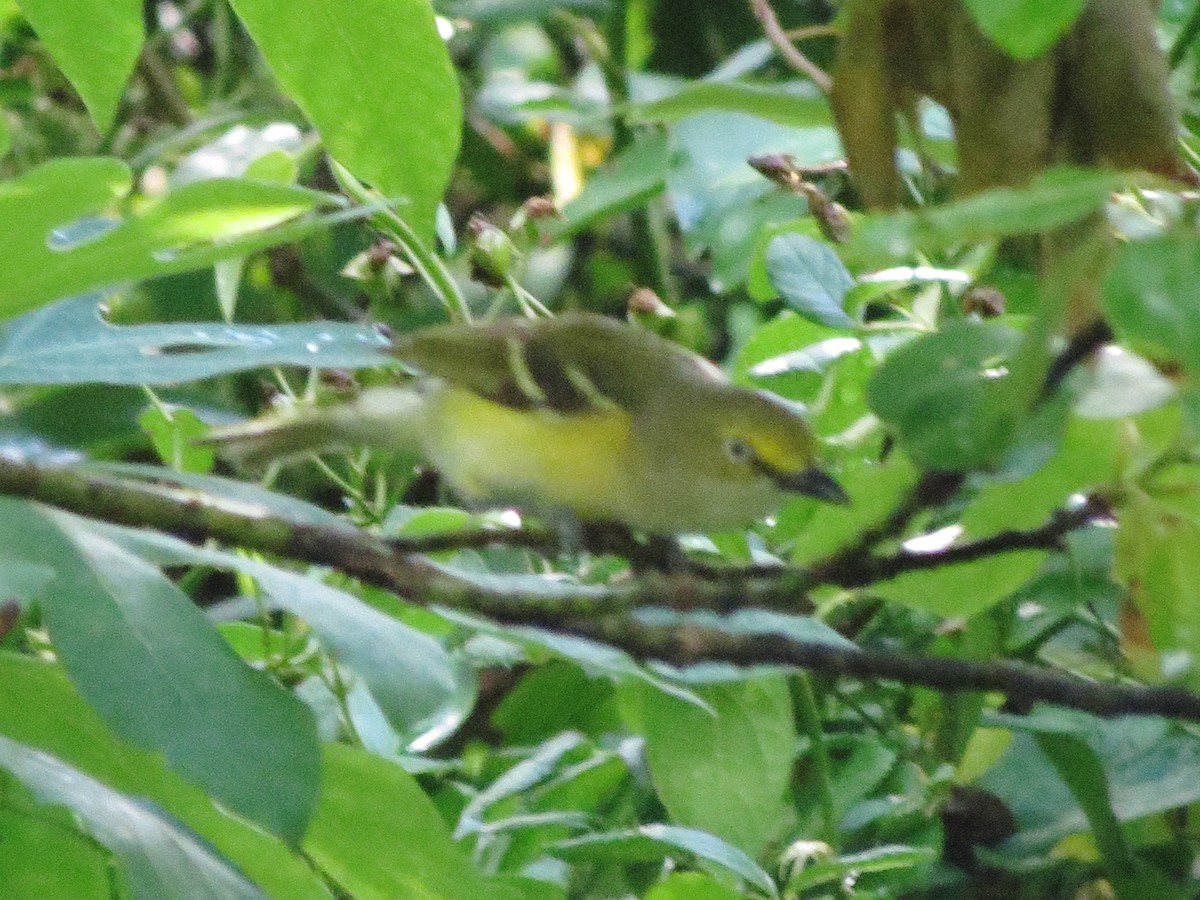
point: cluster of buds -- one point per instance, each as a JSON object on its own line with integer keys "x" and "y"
{"x": 782, "y": 168}
{"x": 494, "y": 251}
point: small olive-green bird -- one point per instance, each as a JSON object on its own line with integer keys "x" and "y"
{"x": 581, "y": 413}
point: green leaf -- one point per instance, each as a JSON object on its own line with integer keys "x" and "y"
{"x": 376, "y": 80}
{"x": 1151, "y": 296}
{"x": 964, "y": 589}
{"x": 1024, "y": 28}
{"x": 729, "y": 776}
{"x": 1055, "y": 198}
{"x": 1079, "y": 766}
{"x": 158, "y": 857}
{"x": 42, "y": 857}
{"x": 62, "y": 237}
{"x": 173, "y": 430}
{"x": 627, "y": 181}
{"x": 597, "y": 660}
{"x": 691, "y": 886}
{"x": 144, "y": 656}
{"x": 96, "y": 44}
{"x": 650, "y": 843}
{"x": 877, "y": 859}
{"x": 424, "y": 692}
{"x": 40, "y": 708}
{"x": 945, "y": 395}
{"x": 1156, "y": 557}
{"x": 796, "y": 105}
{"x": 810, "y": 278}
{"x": 379, "y": 836}
{"x": 720, "y": 201}
{"x": 71, "y": 343}
{"x": 520, "y": 778}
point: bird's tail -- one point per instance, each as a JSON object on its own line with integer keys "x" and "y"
{"x": 383, "y": 417}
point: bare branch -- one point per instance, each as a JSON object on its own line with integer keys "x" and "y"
{"x": 780, "y": 40}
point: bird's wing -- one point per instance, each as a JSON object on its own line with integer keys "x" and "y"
{"x": 572, "y": 364}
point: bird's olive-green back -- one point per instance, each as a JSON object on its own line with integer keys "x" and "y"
{"x": 572, "y": 363}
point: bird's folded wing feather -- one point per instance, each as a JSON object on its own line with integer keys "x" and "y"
{"x": 573, "y": 364}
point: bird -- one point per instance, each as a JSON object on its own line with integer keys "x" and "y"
{"x": 580, "y": 413}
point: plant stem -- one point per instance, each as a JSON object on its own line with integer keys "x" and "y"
{"x": 424, "y": 261}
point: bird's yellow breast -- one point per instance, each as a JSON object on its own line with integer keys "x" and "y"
{"x": 488, "y": 450}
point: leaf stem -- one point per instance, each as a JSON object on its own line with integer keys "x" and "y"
{"x": 424, "y": 261}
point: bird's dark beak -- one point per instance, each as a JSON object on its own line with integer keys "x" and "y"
{"x": 812, "y": 482}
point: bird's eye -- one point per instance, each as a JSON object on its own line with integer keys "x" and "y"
{"x": 738, "y": 450}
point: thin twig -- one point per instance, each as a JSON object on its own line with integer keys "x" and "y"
{"x": 779, "y": 39}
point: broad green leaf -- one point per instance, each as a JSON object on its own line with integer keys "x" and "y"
{"x": 651, "y": 843}
{"x": 42, "y": 857}
{"x": 1086, "y": 458}
{"x": 1156, "y": 558}
{"x": 144, "y": 656}
{"x": 1056, "y": 198}
{"x": 810, "y": 278}
{"x": 964, "y": 589}
{"x": 1024, "y": 28}
{"x": 379, "y": 836}
{"x": 376, "y": 80}
{"x": 627, "y": 181}
{"x": 40, "y": 708}
{"x": 1149, "y": 764}
{"x": 159, "y": 857}
{"x": 691, "y": 886}
{"x": 553, "y": 698}
{"x": 424, "y": 691}
{"x": 945, "y": 395}
{"x": 1151, "y": 296}
{"x": 729, "y": 776}
{"x": 1079, "y": 766}
{"x": 71, "y": 343}
{"x": 63, "y": 236}
{"x": 5, "y": 135}
{"x": 96, "y": 44}
{"x": 797, "y": 105}
{"x": 789, "y": 355}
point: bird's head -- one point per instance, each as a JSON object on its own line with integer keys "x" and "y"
{"x": 761, "y": 437}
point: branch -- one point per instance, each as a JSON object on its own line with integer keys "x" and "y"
{"x": 1022, "y": 683}
{"x": 606, "y": 614}
{"x": 780, "y": 40}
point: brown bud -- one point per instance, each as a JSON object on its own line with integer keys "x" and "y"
{"x": 540, "y": 208}
{"x": 984, "y": 301}
{"x": 778, "y": 167}
{"x": 379, "y": 254}
{"x": 10, "y": 612}
{"x": 644, "y": 302}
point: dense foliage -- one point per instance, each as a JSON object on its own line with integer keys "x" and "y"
{"x": 213, "y": 209}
